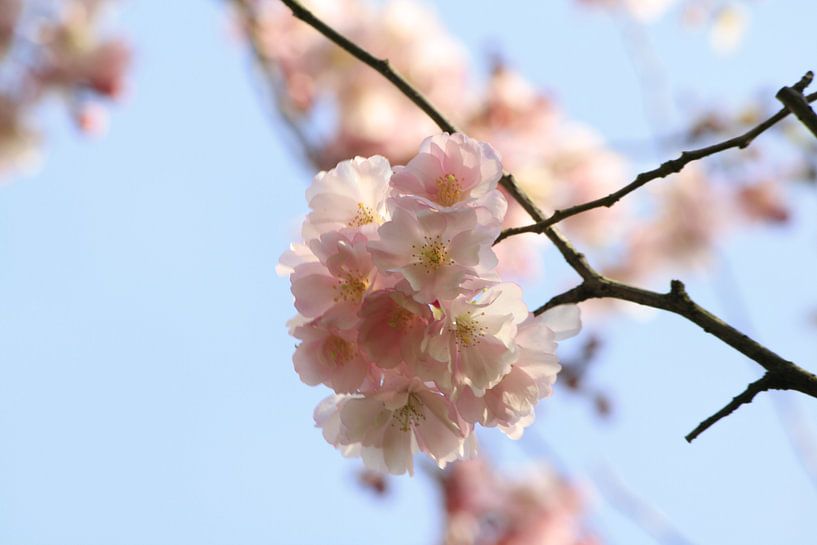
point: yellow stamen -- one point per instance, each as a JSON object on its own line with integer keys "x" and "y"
{"x": 363, "y": 216}
{"x": 449, "y": 190}
{"x": 409, "y": 414}
{"x": 340, "y": 351}
{"x": 433, "y": 254}
{"x": 468, "y": 330}
{"x": 351, "y": 288}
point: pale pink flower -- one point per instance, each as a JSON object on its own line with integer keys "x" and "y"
{"x": 353, "y": 194}
{"x": 329, "y": 354}
{"x": 476, "y": 336}
{"x": 342, "y": 276}
{"x": 510, "y": 404}
{"x": 450, "y": 170}
{"x": 436, "y": 252}
{"x": 403, "y": 418}
{"x": 392, "y": 328}
{"x": 327, "y": 417}
{"x": 296, "y": 254}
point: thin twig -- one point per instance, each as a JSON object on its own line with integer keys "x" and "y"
{"x": 669, "y": 167}
{"x": 787, "y": 375}
{"x": 249, "y": 19}
{"x": 746, "y": 396}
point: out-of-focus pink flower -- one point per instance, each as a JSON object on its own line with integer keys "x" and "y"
{"x": 74, "y": 58}
{"x": 484, "y": 507}
{"x": 401, "y": 419}
{"x": 763, "y": 201}
{"x": 682, "y": 231}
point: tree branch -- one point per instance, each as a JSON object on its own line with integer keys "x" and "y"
{"x": 786, "y": 375}
{"x": 745, "y": 397}
{"x": 794, "y": 101}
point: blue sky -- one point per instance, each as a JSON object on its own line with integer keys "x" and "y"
{"x": 147, "y": 395}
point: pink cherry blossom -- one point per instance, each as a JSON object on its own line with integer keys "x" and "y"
{"x": 343, "y": 274}
{"x": 435, "y": 251}
{"x": 392, "y": 327}
{"x": 510, "y": 404}
{"x": 353, "y": 194}
{"x": 476, "y": 336}
{"x": 450, "y": 170}
{"x": 329, "y": 354}
{"x": 402, "y": 419}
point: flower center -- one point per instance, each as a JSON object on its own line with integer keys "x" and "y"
{"x": 339, "y": 351}
{"x": 433, "y": 254}
{"x": 449, "y": 190}
{"x": 400, "y": 318}
{"x": 351, "y": 288}
{"x": 467, "y": 330}
{"x": 409, "y": 414}
{"x": 363, "y": 216}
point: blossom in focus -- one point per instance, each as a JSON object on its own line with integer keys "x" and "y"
{"x": 436, "y": 252}
{"x": 450, "y": 170}
{"x": 353, "y": 194}
{"x": 403, "y": 315}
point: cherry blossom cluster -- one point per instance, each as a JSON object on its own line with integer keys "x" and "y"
{"x": 54, "y": 49}
{"x": 401, "y": 311}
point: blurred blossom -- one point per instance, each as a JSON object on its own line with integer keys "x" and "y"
{"x": 727, "y": 28}
{"x": 486, "y": 507}
{"x": 52, "y": 49}
{"x": 689, "y": 217}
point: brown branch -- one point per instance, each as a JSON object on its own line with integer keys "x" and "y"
{"x": 793, "y": 99}
{"x": 676, "y": 165}
{"x": 780, "y": 374}
{"x": 743, "y": 398}
{"x": 786, "y": 374}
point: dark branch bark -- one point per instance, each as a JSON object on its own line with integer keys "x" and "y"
{"x": 743, "y": 398}
{"x": 793, "y": 99}
{"x": 786, "y": 375}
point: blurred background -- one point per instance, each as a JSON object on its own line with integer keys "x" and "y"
{"x": 147, "y": 394}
